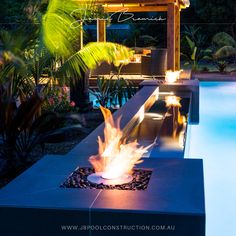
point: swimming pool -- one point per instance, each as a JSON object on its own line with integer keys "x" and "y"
{"x": 214, "y": 140}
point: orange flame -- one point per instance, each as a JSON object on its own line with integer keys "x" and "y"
{"x": 172, "y": 101}
{"x": 116, "y": 157}
{"x": 172, "y": 76}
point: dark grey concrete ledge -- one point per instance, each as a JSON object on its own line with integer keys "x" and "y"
{"x": 175, "y": 196}
{"x": 214, "y": 77}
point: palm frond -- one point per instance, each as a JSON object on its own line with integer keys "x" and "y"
{"x": 94, "y": 53}
{"x": 224, "y": 52}
{"x": 60, "y": 25}
{"x": 191, "y": 43}
{"x": 38, "y": 62}
{"x": 223, "y": 39}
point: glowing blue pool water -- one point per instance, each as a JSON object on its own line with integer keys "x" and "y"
{"x": 214, "y": 140}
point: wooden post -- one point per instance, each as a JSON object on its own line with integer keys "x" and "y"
{"x": 81, "y": 35}
{"x": 101, "y": 30}
{"x": 177, "y": 38}
{"x": 171, "y": 34}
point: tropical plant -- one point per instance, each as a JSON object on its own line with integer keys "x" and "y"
{"x": 124, "y": 90}
{"x": 221, "y": 65}
{"x": 53, "y": 41}
{"x": 195, "y": 34}
{"x": 113, "y": 92}
{"x": 76, "y": 62}
{"x": 21, "y": 131}
{"x": 104, "y": 92}
{"x": 224, "y": 42}
{"x": 13, "y": 66}
{"x": 11, "y": 12}
{"x": 60, "y": 30}
{"x": 224, "y": 50}
{"x": 48, "y": 47}
{"x": 193, "y": 54}
{"x": 193, "y": 46}
{"x": 52, "y": 46}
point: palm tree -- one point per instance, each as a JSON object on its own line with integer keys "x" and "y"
{"x": 54, "y": 42}
{"x": 25, "y": 54}
{"x": 60, "y": 31}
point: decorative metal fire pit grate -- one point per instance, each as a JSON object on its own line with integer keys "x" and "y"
{"x": 79, "y": 179}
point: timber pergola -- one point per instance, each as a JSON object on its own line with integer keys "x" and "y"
{"x": 173, "y": 9}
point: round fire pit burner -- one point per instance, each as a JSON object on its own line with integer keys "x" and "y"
{"x": 79, "y": 179}
{"x": 97, "y": 178}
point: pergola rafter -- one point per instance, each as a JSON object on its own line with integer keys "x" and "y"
{"x": 183, "y": 3}
{"x": 138, "y": 8}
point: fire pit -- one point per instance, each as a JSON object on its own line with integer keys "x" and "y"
{"x": 99, "y": 178}
{"x": 114, "y": 163}
{"x": 88, "y": 179}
